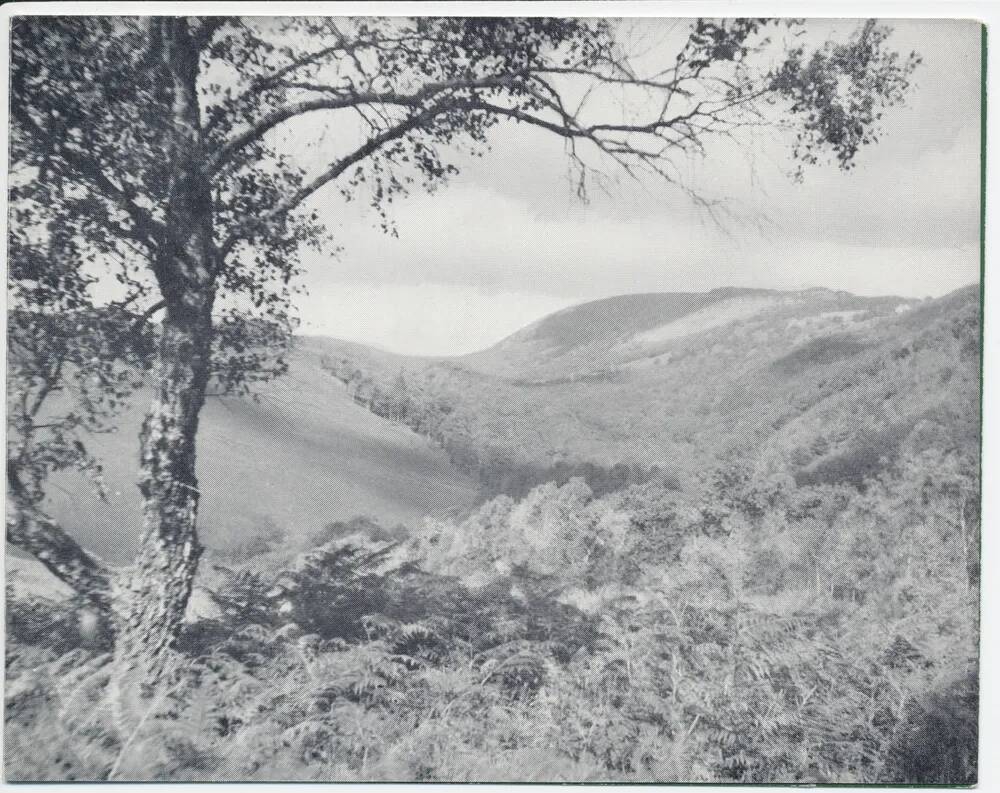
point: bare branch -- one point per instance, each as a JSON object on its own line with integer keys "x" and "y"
{"x": 350, "y": 99}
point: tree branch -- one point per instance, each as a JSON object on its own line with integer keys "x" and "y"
{"x": 347, "y": 100}
{"x": 566, "y": 126}
{"x": 331, "y": 173}
{"x": 34, "y": 532}
{"x": 144, "y": 317}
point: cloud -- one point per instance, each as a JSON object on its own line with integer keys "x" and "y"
{"x": 508, "y": 239}
{"x": 455, "y": 282}
{"x": 422, "y": 319}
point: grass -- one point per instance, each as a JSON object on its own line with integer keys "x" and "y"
{"x": 309, "y": 438}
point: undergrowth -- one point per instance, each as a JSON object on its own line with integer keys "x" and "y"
{"x": 740, "y": 633}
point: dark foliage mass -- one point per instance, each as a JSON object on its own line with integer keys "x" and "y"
{"x": 818, "y": 352}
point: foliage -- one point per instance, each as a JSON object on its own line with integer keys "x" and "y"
{"x": 410, "y": 401}
{"x": 827, "y": 88}
{"x": 746, "y": 630}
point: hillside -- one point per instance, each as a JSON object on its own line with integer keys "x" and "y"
{"x": 817, "y": 385}
{"x": 790, "y": 380}
{"x": 304, "y": 455}
{"x": 775, "y": 557}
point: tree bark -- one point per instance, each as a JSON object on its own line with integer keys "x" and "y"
{"x": 161, "y": 579}
{"x": 162, "y": 576}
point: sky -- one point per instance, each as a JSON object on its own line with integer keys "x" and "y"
{"x": 508, "y": 241}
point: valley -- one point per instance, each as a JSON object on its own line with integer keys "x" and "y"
{"x": 799, "y": 383}
{"x": 297, "y": 457}
{"x": 582, "y": 541}
{"x": 817, "y": 385}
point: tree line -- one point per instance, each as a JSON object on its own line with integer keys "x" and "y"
{"x": 496, "y": 470}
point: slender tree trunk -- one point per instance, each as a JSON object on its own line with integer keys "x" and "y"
{"x": 160, "y": 583}
{"x": 163, "y": 574}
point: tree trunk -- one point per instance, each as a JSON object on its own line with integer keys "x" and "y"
{"x": 161, "y": 580}
{"x": 162, "y": 577}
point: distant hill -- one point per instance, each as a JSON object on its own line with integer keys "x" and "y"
{"x": 615, "y": 330}
{"x": 791, "y": 381}
{"x": 584, "y": 334}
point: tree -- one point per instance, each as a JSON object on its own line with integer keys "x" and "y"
{"x": 155, "y": 146}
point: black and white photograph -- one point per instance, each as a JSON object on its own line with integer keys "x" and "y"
{"x": 432, "y": 397}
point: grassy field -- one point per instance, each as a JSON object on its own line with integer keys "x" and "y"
{"x": 304, "y": 455}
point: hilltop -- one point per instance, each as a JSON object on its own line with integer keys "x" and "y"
{"x": 586, "y": 336}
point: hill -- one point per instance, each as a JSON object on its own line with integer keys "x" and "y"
{"x": 302, "y": 456}
{"x": 683, "y": 382}
{"x": 818, "y": 385}
{"x": 586, "y": 336}
{"x": 788, "y": 510}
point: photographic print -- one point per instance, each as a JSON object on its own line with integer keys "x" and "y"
{"x": 493, "y": 399}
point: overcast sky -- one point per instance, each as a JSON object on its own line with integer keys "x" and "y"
{"x": 508, "y": 241}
